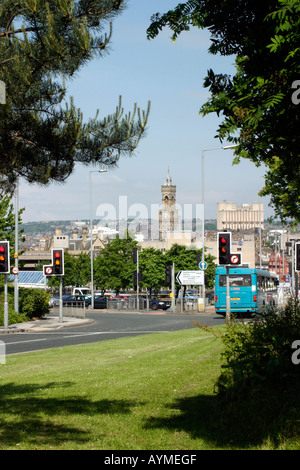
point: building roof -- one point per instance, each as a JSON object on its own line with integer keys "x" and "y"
{"x": 29, "y": 278}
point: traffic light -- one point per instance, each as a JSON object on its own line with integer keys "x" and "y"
{"x": 224, "y": 247}
{"x": 168, "y": 274}
{"x": 135, "y": 277}
{"x": 58, "y": 262}
{"x": 297, "y": 256}
{"x": 4, "y": 257}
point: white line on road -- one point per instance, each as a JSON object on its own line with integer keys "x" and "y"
{"x": 78, "y": 335}
{"x": 113, "y": 333}
{"x": 27, "y": 341}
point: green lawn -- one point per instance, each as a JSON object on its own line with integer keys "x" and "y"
{"x": 152, "y": 392}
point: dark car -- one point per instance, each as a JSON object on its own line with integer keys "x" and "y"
{"x": 155, "y": 304}
{"x": 100, "y": 301}
{"x": 72, "y": 299}
{"x": 142, "y": 301}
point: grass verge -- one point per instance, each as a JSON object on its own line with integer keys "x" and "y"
{"x": 152, "y": 392}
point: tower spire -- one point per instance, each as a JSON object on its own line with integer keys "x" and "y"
{"x": 168, "y": 181}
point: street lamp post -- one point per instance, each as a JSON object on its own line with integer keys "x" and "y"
{"x": 226, "y": 147}
{"x": 16, "y": 281}
{"x": 103, "y": 170}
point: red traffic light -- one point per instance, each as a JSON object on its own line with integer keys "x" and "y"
{"x": 224, "y": 247}
{"x": 4, "y": 257}
{"x": 58, "y": 262}
{"x": 57, "y": 256}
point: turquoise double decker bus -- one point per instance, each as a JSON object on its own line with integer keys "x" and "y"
{"x": 250, "y": 289}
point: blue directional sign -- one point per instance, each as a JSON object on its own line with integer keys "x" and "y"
{"x": 203, "y": 265}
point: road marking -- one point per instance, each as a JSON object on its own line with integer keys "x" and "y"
{"x": 114, "y": 333}
{"x": 27, "y": 341}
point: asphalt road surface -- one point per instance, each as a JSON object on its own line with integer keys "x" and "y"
{"x": 104, "y": 327}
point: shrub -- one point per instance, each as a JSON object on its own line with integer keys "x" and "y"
{"x": 260, "y": 352}
{"x": 13, "y": 317}
{"x": 33, "y": 302}
{"x": 259, "y": 386}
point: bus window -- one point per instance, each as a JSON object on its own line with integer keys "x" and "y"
{"x": 261, "y": 283}
{"x": 242, "y": 280}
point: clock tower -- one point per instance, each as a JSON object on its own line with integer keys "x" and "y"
{"x": 168, "y": 214}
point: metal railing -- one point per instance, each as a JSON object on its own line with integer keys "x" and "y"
{"x": 72, "y": 309}
{"x": 128, "y": 304}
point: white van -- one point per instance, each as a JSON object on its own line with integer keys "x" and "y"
{"x": 81, "y": 291}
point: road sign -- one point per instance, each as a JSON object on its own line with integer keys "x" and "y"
{"x": 190, "y": 278}
{"x": 15, "y": 270}
{"x": 235, "y": 258}
{"x": 48, "y": 270}
{"x": 203, "y": 265}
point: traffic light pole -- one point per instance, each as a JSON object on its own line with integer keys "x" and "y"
{"x": 16, "y": 280}
{"x": 60, "y": 300}
{"x": 227, "y": 294}
{"x": 5, "y": 303}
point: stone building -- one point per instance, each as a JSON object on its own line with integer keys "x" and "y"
{"x": 168, "y": 215}
{"x": 230, "y": 216}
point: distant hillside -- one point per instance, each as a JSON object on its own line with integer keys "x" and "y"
{"x": 48, "y": 226}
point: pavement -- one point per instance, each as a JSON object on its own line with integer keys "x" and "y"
{"x": 50, "y": 322}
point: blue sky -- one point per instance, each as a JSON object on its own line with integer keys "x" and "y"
{"x": 170, "y": 75}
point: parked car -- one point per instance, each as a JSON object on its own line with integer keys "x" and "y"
{"x": 155, "y": 304}
{"x": 188, "y": 297}
{"x": 71, "y": 299}
{"x": 100, "y": 301}
{"x": 121, "y": 297}
{"x": 164, "y": 294}
{"x": 53, "y": 302}
{"x": 142, "y": 301}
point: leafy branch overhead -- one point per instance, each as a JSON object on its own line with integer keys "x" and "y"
{"x": 42, "y": 133}
{"x": 255, "y": 105}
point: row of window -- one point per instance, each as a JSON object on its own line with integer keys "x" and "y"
{"x": 245, "y": 280}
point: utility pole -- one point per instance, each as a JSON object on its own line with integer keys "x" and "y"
{"x": 173, "y": 289}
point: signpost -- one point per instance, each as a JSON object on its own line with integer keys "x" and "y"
{"x": 190, "y": 278}
{"x": 57, "y": 269}
{"x": 203, "y": 265}
{"x": 5, "y": 269}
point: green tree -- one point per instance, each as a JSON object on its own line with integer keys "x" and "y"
{"x": 152, "y": 265}
{"x": 256, "y": 105}
{"x": 114, "y": 266}
{"x": 43, "y": 44}
{"x": 7, "y": 222}
{"x": 82, "y": 275}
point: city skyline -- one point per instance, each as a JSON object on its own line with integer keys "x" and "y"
{"x": 170, "y": 75}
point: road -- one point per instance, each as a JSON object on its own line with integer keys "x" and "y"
{"x": 104, "y": 327}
